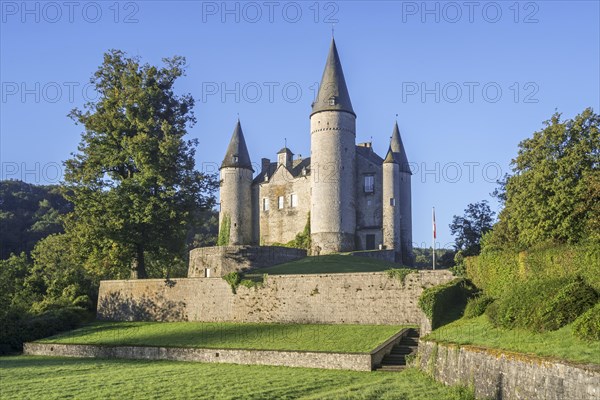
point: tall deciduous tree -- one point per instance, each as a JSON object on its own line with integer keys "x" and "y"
{"x": 554, "y": 190}
{"x": 133, "y": 182}
{"x": 468, "y": 229}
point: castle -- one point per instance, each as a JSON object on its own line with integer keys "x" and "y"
{"x": 355, "y": 199}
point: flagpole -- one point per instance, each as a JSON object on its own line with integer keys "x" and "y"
{"x": 433, "y": 237}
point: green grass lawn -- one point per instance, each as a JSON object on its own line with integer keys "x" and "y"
{"x": 227, "y": 335}
{"x": 38, "y": 378}
{"x": 480, "y": 332}
{"x": 332, "y": 263}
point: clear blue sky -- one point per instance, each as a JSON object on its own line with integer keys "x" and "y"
{"x": 543, "y": 56}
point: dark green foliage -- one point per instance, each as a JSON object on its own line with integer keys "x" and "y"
{"x": 133, "y": 181}
{"x": 17, "y": 328}
{"x": 569, "y": 303}
{"x": 542, "y": 304}
{"x": 468, "y": 229}
{"x": 444, "y": 258}
{"x": 28, "y": 213}
{"x": 444, "y": 303}
{"x": 477, "y": 306}
{"x": 554, "y": 192}
{"x": 234, "y": 279}
{"x": 587, "y": 325}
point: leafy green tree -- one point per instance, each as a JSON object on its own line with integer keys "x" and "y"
{"x": 554, "y": 191}
{"x": 133, "y": 182}
{"x": 28, "y": 213}
{"x": 468, "y": 229}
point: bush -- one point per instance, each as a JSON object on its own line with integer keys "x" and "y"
{"x": 587, "y": 325}
{"x": 569, "y": 303}
{"x": 497, "y": 271}
{"x": 444, "y": 303}
{"x": 477, "y": 306}
{"x": 542, "y": 304}
{"x": 16, "y": 327}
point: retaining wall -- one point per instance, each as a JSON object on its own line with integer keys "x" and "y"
{"x": 221, "y": 260}
{"x": 308, "y": 359}
{"x": 499, "y": 374}
{"x": 359, "y": 298}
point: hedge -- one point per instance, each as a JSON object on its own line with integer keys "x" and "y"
{"x": 443, "y": 303}
{"x": 497, "y": 271}
{"x": 587, "y": 326}
{"x": 542, "y": 304}
{"x": 17, "y": 328}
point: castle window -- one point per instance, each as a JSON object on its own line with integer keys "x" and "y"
{"x": 369, "y": 184}
{"x": 265, "y": 204}
{"x": 332, "y": 101}
{"x": 393, "y": 202}
{"x": 280, "y": 201}
{"x": 235, "y": 159}
{"x": 294, "y": 200}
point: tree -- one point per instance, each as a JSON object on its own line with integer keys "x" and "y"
{"x": 468, "y": 229}
{"x": 28, "y": 213}
{"x": 553, "y": 193}
{"x": 133, "y": 182}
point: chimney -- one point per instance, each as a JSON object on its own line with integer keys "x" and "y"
{"x": 264, "y": 164}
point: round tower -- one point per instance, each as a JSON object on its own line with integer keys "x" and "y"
{"x": 391, "y": 205}
{"x": 405, "y": 197}
{"x": 332, "y": 140}
{"x": 235, "y": 216}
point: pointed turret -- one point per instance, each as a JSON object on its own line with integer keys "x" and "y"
{"x": 333, "y": 143}
{"x": 333, "y": 92}
{"x": 237, "y": 153}
{"x": 235, "y": 216}
{"x": 398, "y": 148}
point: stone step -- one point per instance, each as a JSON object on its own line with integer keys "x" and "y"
{"x": 403, "y": 350}
{"x": 391, "y": 368}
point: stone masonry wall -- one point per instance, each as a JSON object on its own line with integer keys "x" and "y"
{"x": 222, "y": 260}
{"x": 359, "y": 298}
{"x": 499, "y": 374}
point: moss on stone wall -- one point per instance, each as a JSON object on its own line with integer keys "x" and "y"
{"x": 224, "y": 231}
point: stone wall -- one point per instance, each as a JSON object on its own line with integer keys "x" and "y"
{"x": 383, "y": 255}
{"x": 308, "y": 359}
{"x": 221, "y": 260}
{"x": 359, "y": 298}
{"x": 500, "y": 374}
{"x": 288, "y": 358}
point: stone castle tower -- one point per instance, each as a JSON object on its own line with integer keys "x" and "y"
{"x": 356, "y": 200}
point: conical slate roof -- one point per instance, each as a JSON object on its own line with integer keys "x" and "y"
{"x": 398, "y": 148}
{"x": 389, "y": 158}
{"x": 237, "y": 153}
{"x": 333, "y": 92}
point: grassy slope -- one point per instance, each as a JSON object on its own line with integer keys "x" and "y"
{"x": 58, "y": 378}
{"x": 329, "y": 264}
{"x": 340, "y": 338}
{"x": 559, "y": 344}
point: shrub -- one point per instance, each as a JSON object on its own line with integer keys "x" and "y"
{"x": 16, "y": 328}
{"x": 399, "y": 273}
{"x": 569, "y": 303}
{"x": 477, "y": 306}
{"x": 542, "y": 304}
{"x": 443, "y": 303}
{"x": 234, "y": 279}
{"x": 497, "y": 271}
{"x": 587, "y": 325}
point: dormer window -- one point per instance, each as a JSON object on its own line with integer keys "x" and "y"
{"x": 235, "y": 159}
{"x": 332, "y": 101}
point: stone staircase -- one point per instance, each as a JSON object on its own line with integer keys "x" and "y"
{"x": 396, "y": 360}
